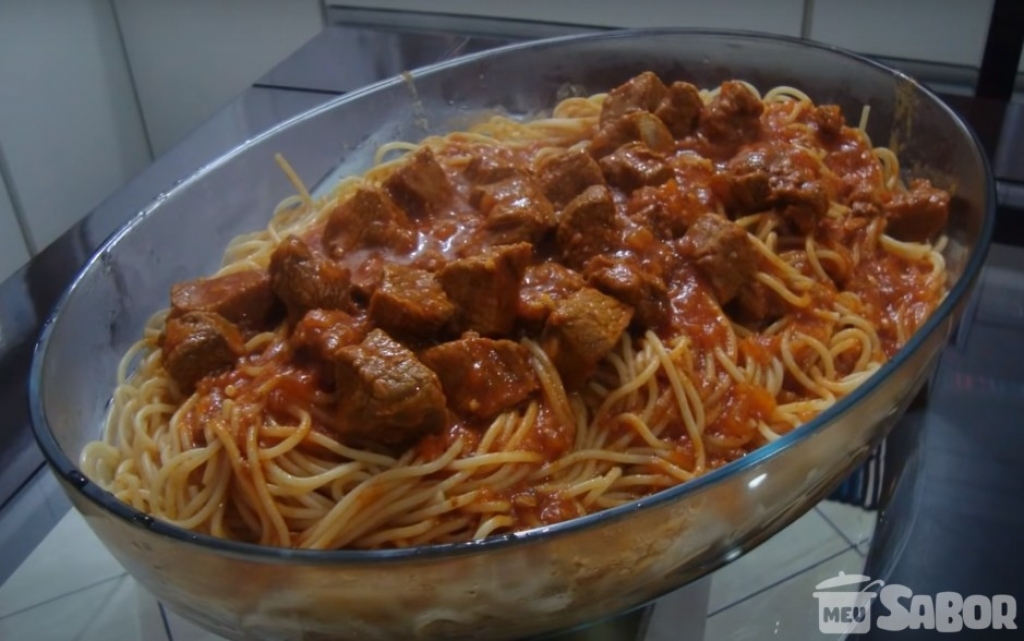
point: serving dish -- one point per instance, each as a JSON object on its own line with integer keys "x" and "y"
{"x": 545, "y": 579}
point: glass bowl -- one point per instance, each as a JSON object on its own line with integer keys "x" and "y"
{"x": 541, "y": 580}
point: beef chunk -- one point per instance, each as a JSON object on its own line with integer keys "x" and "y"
{"x": 385, "y": 394}
{"x": 516, "y": 210}
{"x": 828, "y": 120}
{"x": 917, "y": 214}
{"x": 304, "y": 280}
{"x": 419, "y": 185}
{"x": 787, "y": 179}
{"x": 542, "y": 287}
{"x": 732, "y": 118}
{"x": 722, "y": 252}
{"x": 641, "y": 93}
{"x": 485, "y": 288}
{"x": 322, "y": 332}
{"x": 581, "y": 331}
{"x": 482, "y": 377}
{"x": 368, "y": 219}
{"x": 666, "y": 211}
{"x": 624, "y": 279}
{"x": 633, "y": 165}
{"x": 566, "y": 175}
{"x": 757, "y": 305}
{"x": 639, "y": 126}
{"x": 588, "y": 226}
{"x": 680, "y": 109}
{"x": 197, "y": 344}
{"x": 410, "y": 303}
{"x": 490, "y": 167}
{"x": 242, "y": 297}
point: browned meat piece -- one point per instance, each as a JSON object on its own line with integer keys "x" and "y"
{"x": 624, "y": 279}
{"x": 917, "y": 214}
{"x": 633, "y": 165}
{"x": 588, "y": 226}
{"x": 666, "y": 211}
{"x": 641, "y": 93}
{"x": 322, "y": 332}
{"x": 485, "y": 288}
{"x": 197, "y": 344}
{"x": 635, "y": 126}
{"x": 566, "y": 175}
{"x": 788, "y": 179}
{"x": 243, "y": 297}
{"x": 801, "y": 202}
{"x": 385, "y": 394}
{"x": 482, "y": 377}
{"x": 828, "y": 120}
{"x": 581, "y": 331}
{"x": 544, "y": 285}
{"x": 515, "y": 209}
{"x": 487, "y": 168}
{"x": 722, "y": 252}
{"x": 732, "y": 118}
{"x": 368, "y": 219}
{"x": 680, "y": 109}
{"x": 409, "y": 303}
{"x": 419, "y": 185}
{"x": 304, "y": 280}
{"x": 757, "y": 305}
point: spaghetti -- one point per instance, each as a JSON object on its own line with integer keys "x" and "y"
{"x": 741, "y": 275}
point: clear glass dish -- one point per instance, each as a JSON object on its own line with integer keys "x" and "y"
{"x": 521, "y": 584}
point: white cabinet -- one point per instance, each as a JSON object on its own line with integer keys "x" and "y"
{"x": 13, "y": 253}
{"x": 69, "y": 125}
{"x": 191, "y": 57}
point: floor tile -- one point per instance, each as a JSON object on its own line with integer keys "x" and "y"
{"x": 184, "y": 630}
{"x": 63, "y": 618}
{"x": 68, "y": 559}
{"x": 806, "y": 542}
{"x": 24, "y": 521}
{"x": 681, "y": 615}
{"x": 784, "y": 611}
{"x": 855, "y": 523}
{"x": 118, "y": 618}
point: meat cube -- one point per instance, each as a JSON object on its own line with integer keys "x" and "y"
{"x": 917, "y": 214}
{"x": 801, "y": 202}
{"x": 566, "y": 175}
{"x": 588, "y": 227}
{"x": 244, "y": 298}
{"x": 666, "y": 211}
{"x": 828, "y": 120}
{"x": 489, "y": 166}
{"x": 485, "y": 288}
{"x": 515, "y": 209}
{"x": 410, "y": 303}
{"x": 639, "y": 126}
{"x": 542, "y": 287}
{"x": 788, "y": 179}
{"x": 641, "y": 93}
{"x": 624, "y": 279}
{"x": 386, "y": 396}
{"x": 633, "y": 165}
{"x": 368, "y": 219}
{"x": 581, "y": 330}
{"x": 482, "y": 377}
{"x": 419, "y": 185}
{"x": 722, "y": 253}
{"x": 304, "y": 280}
{"x": 680, "y": 109}
{"x": 197, "y": 344}
{"x": 323, "y": 332}
{"x": 732, "y": 118}
{"x": 757, "y": 305}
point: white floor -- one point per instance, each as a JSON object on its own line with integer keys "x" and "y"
{"x": 71, "y": 588}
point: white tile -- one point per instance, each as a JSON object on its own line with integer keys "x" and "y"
{"x": 804, "y": 543}
{"x": 786, "y": 611}
{"x": 24, "y": 522}
{"x": 68, "y": 559}
{"x": 184, "y": 630}
{"x": 778, "y": 16}
{"x": 13, "y": 252}
{"x": 855, "y": 523}
{"x": 60, "y": 619}
{"x": 148, "y": 616}
{"x": 117, "y": 618}
{"x": 189, "y": 59}
{"x": 950, "y": 31}
{"x": 681, "y": 614}
{"x": 69, "y": 125}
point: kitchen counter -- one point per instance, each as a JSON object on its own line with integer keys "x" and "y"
{"x": 951, "y": 514}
